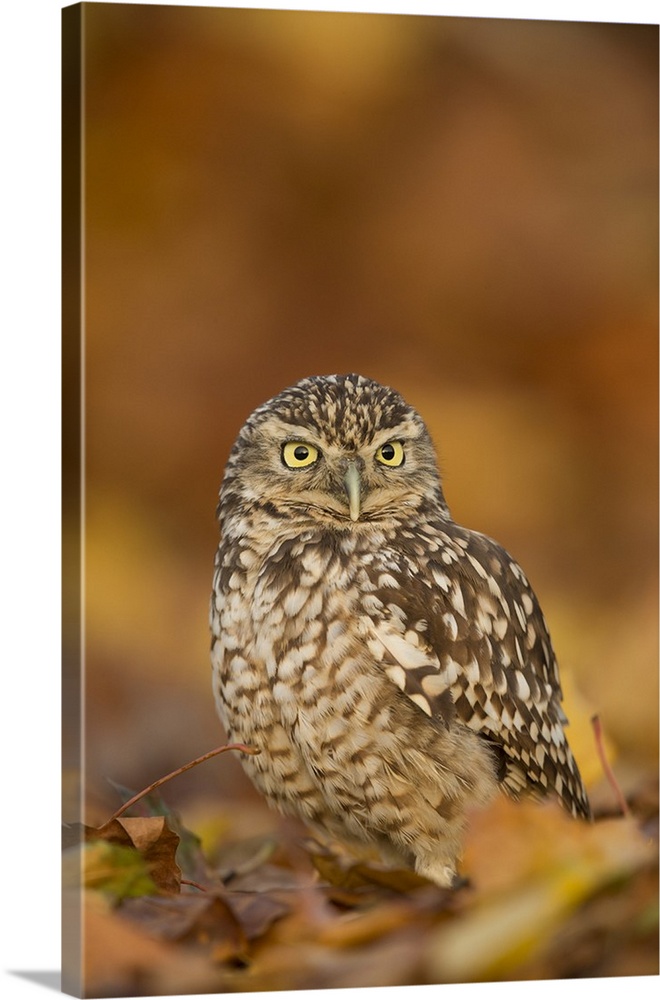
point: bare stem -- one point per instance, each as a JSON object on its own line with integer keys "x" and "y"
{"x": 196, "y": 885}
{"x": 609, "y": 773}
{"x": 242, "y": 747}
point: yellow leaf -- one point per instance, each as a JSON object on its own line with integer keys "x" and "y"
{"x": 507, "y": 926}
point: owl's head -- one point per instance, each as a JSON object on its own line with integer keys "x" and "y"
{"x": 336, "y": 448}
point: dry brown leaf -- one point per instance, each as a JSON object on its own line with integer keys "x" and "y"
{"x": 266, "y": 878}
{"x": 257, "y": 911}
{"x": 205, "y": 920}
{"x": 245, "y": 856}
{"x": 155, "y": 842}
{"x": 345, "y": 872}
{"x": 123, "y": 959}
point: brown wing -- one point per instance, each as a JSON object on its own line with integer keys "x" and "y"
{"x": 466, "y": 637}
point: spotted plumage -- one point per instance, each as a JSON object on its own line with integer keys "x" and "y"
{"x": 393, "y": 668}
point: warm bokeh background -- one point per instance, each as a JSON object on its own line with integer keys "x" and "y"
{"x": 464, "y": 209}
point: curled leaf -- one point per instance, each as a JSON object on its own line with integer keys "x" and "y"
{"x": 154, "y": 841}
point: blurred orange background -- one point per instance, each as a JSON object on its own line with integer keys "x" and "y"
{"x": 463, "y": 209}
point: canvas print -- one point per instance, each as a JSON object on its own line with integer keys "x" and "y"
{"x": 360, "y": 500}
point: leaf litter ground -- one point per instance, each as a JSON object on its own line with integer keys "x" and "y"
{"x": 545, "y": 897}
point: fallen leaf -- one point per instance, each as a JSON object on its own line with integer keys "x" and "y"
{"x": 114, "y": 869}
{"x": 505, "y": 927}
{"x": 245, "y": 856}
{"x": 189, "y": 851}
{"x": 352, "y": 930}
{"x": 153, "y": 840}
{"x": 121, "y": 959}
{"x": 346, "y": 872}
{"x": 257, "y": 911}
{"x": 267, "y": 878}
{"x": 202, "y": 920}
{"x": 513, "y": 842}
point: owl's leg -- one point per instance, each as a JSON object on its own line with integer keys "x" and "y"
{"x": 435, "y": 870}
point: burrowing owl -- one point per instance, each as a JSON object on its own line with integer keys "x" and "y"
{"x": 393, "y": 668}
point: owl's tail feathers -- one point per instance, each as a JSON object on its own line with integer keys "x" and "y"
{"x": 557, "y": 777}
{"x": 573, "y": 795}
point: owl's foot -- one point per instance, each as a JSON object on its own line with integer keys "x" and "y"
{"x": 443, "y": 875}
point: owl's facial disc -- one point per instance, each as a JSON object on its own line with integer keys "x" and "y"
{"x": 342, "y": 450}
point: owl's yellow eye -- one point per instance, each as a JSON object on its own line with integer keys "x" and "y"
{"x": 391, "y": 454}
{"x": 298, "y": 454}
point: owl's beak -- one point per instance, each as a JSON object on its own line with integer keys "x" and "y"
{"x": 352, "y": 487}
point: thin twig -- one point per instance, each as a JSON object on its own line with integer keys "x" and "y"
{"x": 242, "y": 747}
{"x": 609, "y": 773}
{"x": 196, "y": 885}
